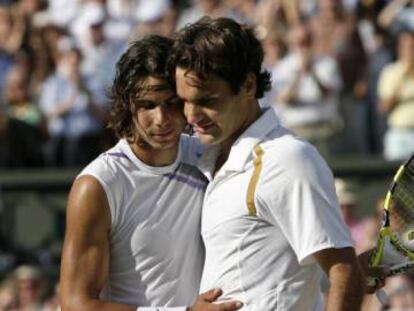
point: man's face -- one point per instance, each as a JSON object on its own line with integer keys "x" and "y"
{"x": 158, "y": 118}
{"x": 218, "y": 116}
{"x": 16, "y": 88}
{"x": 406, "y": 47}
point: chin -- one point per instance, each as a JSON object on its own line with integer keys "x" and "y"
{"x": 207, "y": 139}
{"x": 165, "y": 144}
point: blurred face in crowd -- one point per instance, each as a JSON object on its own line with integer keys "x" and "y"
{"x": 406, "y": 47}
{"x": 209, "y": 5}
{"x": 30, "y": 290}
{"x": 158, "y": 116}
{"x": 30, "y": 7}
{"x": 217, "y": 114}
{"x": 16, "y": 86}
{"x": 69, "y": 62}
{"x": 400, "y": 292}
{"x": 5, "y": 24}
{"x": 301, "y": 37}
{"x": 331, "y": 5}
{"x": 97, "y": 34}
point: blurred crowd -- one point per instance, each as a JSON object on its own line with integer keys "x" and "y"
{"x": 342, "y": 72}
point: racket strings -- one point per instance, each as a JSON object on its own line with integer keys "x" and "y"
{"x": 402, "y": 211}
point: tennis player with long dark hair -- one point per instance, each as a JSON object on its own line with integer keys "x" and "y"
{"x": 133, "y": 218}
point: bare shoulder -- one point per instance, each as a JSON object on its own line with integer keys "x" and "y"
{"x": 88, "y": 202}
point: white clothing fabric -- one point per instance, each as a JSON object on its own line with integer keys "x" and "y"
{"x": 265, "y": 259}
{"x": 162, "y": 309}
{"x": 155, "y": 242}
{"x": 310, "y": 106}
{"x": 398, "y": 144}
{"x": 79, "y": 121}
{"x": 99, "y": 62}
{"x": 63, "y": 12}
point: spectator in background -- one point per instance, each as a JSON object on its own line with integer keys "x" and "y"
{"x": 69, "y": 7}
{"x": 21, "y": 134}
{"x": 336, "y": 34}
{"x": 400, "y": 291}
{"x": 74, "y": 113}
{"x": 44, "y": 53}
{"x": 397, "y": 16}
{"x": 155, "y": 17}
{"x": 30, "y": 284}
{"x": 8, "y": 295}
{"x": 212, "y": 8}
{"x": 380, "y": 55}
{"x": 99, "y": 53}
{"x": 278, "y": 15}
{"x": 363, "y": 230}
{"x": 11, "y": 37}
{"x": 274, "y": 46}
{"x": 307, "y": 89}
{"x": 19, "y": 103}
{"x": 396, "y": 95}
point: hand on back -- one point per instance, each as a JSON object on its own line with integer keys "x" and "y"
{"x": 205, "y": 302}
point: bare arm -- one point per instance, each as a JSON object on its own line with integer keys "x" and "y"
{"x": 386, "y": 105}
{"x": 85, "y": 257}
{"x": 347, "y": 283}
{"x": 387, "y": 15}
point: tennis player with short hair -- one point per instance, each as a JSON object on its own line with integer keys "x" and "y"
{"x": 133, "y": 237}
{"x": 270, "y": 218}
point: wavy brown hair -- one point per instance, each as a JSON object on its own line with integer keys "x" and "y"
{"x": 144, "y": 58}
{"x": 221, "y": 47}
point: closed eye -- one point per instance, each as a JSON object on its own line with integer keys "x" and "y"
{"x": 206, "y": 101}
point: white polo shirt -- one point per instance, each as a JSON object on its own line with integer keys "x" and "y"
{"x": 264, "y": 215}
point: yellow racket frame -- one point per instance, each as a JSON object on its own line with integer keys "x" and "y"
{"x": 378, "y": 253}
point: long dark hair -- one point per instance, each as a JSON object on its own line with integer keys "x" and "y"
{"x": 144, "y": 58}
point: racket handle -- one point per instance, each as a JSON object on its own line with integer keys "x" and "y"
{"x": 382, "y": 297}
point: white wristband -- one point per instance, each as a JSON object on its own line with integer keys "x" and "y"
{"x": 162, "y": 309}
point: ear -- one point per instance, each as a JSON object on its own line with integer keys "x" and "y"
{"x": 250, "y": 85}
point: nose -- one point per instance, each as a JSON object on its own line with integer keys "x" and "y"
{"x": 192, "y": 112}
{"x": 162, "y": 115}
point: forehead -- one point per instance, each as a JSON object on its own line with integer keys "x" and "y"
{"x": 153, "y": 86}
{"x": 188, "y": 82}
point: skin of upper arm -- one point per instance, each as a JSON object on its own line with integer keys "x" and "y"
{"x": 330, "y": 257}
{"x": 85, "y": 256}
{"x": 344, "y": 272}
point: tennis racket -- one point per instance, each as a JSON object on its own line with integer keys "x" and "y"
{"x": 395, "y": 245}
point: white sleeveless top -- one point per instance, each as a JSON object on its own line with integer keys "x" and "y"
{"x": 155, "y": 242}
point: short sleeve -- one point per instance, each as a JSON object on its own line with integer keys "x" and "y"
{"x": 387, "y": 82}
{"x": 299, "y": 196}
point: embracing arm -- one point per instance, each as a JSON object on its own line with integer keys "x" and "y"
{"x": 85, "y": 257}
{"x": 345, "y": 276}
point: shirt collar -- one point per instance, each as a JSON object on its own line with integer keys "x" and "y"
{"x": 241, "y": 150}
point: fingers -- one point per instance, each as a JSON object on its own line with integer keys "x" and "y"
{"x": 211, "y": 295}
{"x": 230, "y": 306}
{"x": 374, "y": 284}
{"x": 379, "y": 272}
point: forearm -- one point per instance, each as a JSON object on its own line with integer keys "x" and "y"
{"x": 101, "y": 305}
{"x": 93, "y": 305}
{"x": 347, "y": 287}
{"x": 288, "y": 95}
{"x": 322, "y": 87}
{"x": 388, "y": 14}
